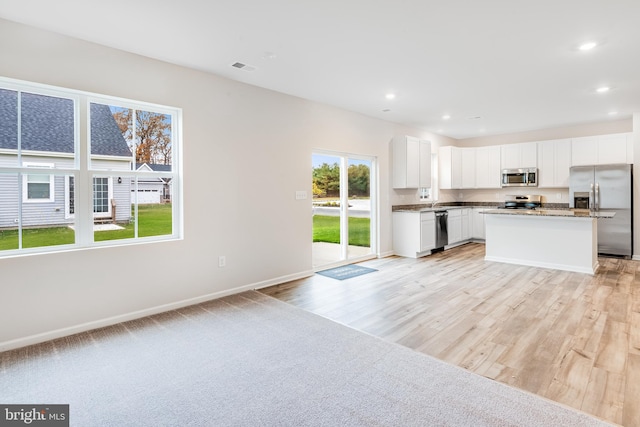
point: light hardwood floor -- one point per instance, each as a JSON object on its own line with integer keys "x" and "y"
{"x": 570, "y": 337}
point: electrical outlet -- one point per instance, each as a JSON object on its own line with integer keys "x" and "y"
{"x": 559, "y": 196}
{"x": 222, "y": 261}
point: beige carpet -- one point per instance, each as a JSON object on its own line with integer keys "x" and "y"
{"x": 251, "y": 360}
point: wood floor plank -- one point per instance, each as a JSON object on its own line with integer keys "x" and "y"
{"x": 631, "y": 411}
{"x": 614, "y": 347}
{"x": 604, "y": 396}
{"x": 570, "y": 337}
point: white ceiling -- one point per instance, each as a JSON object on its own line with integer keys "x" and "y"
{"x": 514, "y": 64}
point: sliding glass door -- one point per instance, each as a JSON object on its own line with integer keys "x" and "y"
{"x": 343, "y": 208}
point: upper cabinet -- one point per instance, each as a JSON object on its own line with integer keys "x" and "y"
{"x": 411, "y": 162}
{"x": 469, "y": 167}
{"x": 480, "y": 167}
{"x": 602, "y": 150}
{"x": 554, "y": 161}
{"x": 450, "y": 167}
{"x": 519, "y": 156}
{"x": 488, "y": 167}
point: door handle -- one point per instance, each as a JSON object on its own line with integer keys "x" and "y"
{"x": 591, "y": 198}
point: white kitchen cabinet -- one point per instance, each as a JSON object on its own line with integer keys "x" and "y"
{"x": 464, "y": 168}
{"x": 487, "y": 167}
{"x": 602, "y": 150}
{"x": 612, "y": 149}
{"x": 427, "y": 231}
{"x": 477, "y": 220}
{"x": 414, "y": 233}
{"x": 454, "y": 225}
{"x": 554, "y": 162}
{"x": 411, "y": 162}
{"x": 468, "y": 168}
{"x": 518, "y": 156}
{"x": 465, "y": 221}
{"x": 450, "y": 167}
{"x": 425, "y": 164}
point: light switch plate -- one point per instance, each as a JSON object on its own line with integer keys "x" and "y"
{"x": 301, "y": 195}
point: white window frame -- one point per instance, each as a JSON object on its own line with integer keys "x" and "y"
{"x": 25, "y": 183}
{"x": 83, "y": 218}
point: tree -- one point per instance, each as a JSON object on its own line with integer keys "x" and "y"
{"x": 152, "y": 134}
{"x": 317, "y": 191}
{"x": 358, "y": 180}
{"x": 327, "y": 178}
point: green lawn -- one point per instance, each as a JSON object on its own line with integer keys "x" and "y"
{"x": 153, "y": 220}
{"x": 327, "y": 229}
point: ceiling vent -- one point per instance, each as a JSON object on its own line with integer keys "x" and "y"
{"x": 242, "y": 66}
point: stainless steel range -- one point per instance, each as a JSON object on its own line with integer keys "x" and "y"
{"x": 531, "y": 201}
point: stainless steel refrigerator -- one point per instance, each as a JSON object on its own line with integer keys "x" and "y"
{"x": 606, "y": 187}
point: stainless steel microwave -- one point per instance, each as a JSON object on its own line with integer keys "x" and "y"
{"x": 520, "y": 177}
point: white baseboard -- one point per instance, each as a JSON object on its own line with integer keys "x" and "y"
{"x": 386, "y": 254}
{"x": 63, "y": 332}
{"x": 553, "y": 266}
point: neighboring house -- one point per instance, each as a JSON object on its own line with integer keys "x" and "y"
{"x": 152, "y": 190}
{"x": 47, "y": 141}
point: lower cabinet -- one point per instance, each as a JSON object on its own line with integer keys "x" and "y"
{"x": 459, "y": 223}
{"x": 414, "y": 233}
{"x": 454, "y": 226}
{"x": 477, "y": 228}
{"x": 465, "y": 220}
{"x": 427, "y": 231}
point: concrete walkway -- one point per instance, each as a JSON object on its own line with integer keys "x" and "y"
{"x": 324, "y": 253}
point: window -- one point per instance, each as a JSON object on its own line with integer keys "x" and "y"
{"x": 38, "y": 187}
{"x": 51, "y": 198}
{"x": 70, "y": 196}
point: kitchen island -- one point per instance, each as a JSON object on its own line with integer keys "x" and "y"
{"x": 561, "y": 239}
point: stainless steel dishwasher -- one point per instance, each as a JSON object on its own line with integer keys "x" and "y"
{"x": 442, "y": 234}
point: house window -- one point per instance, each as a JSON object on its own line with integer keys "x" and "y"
{"x": 51, "y": 197}
{"x": 70, "y": 195}
{"x": 38, "y": 187}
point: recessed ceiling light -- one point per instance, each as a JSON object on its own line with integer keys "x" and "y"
{"x": 446, "y": 117}
{"x": 613, "y": 113}
{"x": 390, "y": 95}
{"x": 587, "y": 46}
{"x": 603, "y": 89}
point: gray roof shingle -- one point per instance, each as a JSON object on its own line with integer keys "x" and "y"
{"x": 47, "y": 125}
{"x": 106, "y": 138}
{"x": 155, "y": 167}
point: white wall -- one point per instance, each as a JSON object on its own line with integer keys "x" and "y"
{"x": 575, "y": 131}
{"x": 246, "y": 151}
